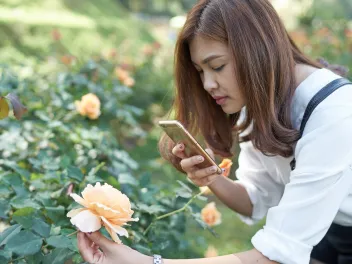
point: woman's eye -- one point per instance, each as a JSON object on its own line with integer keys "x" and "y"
{"x": 219, "y": 68}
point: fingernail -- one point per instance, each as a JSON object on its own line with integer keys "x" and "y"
{"x": 213, "y": 169}
{"x": 200, "y": 158}
{"x": 89, "y": 233}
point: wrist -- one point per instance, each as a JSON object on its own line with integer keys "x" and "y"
{"x": 215, "y": 182}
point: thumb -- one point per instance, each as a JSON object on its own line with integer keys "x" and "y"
{"x": 210, "y": 152}
{"x": 100, "y": 240}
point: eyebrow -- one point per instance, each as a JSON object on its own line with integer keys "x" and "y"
{"x": 210, "y": 58}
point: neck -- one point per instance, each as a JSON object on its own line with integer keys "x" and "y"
{"x": 302, "y": 71}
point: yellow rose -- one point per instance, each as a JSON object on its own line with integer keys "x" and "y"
{"x": 103, "y": 205}
{"x": 89, "y": 106}
{"x": 211, "y": 215}
{"x": 211, "y": 252}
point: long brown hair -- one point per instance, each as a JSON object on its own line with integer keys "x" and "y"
{"x": 265, "y": 57}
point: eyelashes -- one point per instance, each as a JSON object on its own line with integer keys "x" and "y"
{"x": 219, "y": 68}
{"x": 214, "y": 69}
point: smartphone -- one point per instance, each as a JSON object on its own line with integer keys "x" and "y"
{"x": 176, "y": 131}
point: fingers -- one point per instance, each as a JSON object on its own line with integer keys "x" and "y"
{"x": 101, "y": 241}
{"x": 84, "y": 247}
{"x": 178, "y": 151}
{"x": 188, "y": 164}
{"x": 205, "y": 172}
{"x": 206, "y": 181}
{"x": 210, "y": 152}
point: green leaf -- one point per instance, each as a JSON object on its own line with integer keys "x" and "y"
{"x": 59, "y": 241}
{"x": 25, "y": 216}
{"x": 4, "y": 208}
{"x": 5, "y": 256}
{"x": 24, "y": 243}
{"x": 184, "y": 186}
{"x": 4, "y": 108}
{"x": 55, "y": 230}
{"x": 142, "y": 249}
{"x": 145, "y": 180}
{"x": 126, "y": 178}
{"x": 152, "y": 209}
{"x": 202, "y": 198}
{"x": 55, "y": 213}
{"x": 58, "y": 256}
{"x": 183, "y": 193}
{"x": 12, "y": 179}
{"x": 8, "y": 233}
{"x": 41, "y": 228}
{"x": 74, "y": 173}
{"x": 18, "y": 108}
{"x": 34, "y": 259}
{"x": 4, "y": 191}
{"x": 24, "y": 173}
{"x": 20, "y": 202}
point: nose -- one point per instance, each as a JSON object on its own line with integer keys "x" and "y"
{"x": 209, "y": 82}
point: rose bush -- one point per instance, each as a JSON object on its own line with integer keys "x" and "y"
{"x": 57, "y": 149}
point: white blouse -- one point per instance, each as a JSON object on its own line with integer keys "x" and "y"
{"x": 301, "y": 205}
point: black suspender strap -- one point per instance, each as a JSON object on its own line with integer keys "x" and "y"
{"x": 315, "y": 101}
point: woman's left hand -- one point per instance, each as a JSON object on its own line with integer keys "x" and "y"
{"x": 97, "y": 249}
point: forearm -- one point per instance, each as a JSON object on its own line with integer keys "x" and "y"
{"x": 248, "y": 257}
{"x": 233, "y": 195}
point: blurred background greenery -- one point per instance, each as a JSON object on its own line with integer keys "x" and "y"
{"x": 138, "y": 36}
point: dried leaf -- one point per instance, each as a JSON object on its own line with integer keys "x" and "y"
{"x": 18, "y": 108}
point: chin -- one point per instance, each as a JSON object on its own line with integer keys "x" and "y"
{"x": 231, "y": 110}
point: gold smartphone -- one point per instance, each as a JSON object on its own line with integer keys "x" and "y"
{"x": 178, "y": 133}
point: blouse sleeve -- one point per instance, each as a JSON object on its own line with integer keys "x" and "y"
{"x": 319, "y": 184}
{"x": 264, "y": 192}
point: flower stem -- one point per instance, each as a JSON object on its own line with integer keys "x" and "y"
{"x": 173, "y": 212}
{"x": 72, "y": 233}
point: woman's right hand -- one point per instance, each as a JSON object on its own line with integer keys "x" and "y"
{"x": 200, "y": 177}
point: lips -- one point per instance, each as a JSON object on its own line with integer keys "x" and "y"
{"x": 220, "y": 100}
{"x": 218, "y": 97}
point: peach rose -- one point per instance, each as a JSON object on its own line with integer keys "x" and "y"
{"x": 121, "y": 74}
{"x": 103, "y": 205}
{"x": 89, "y": 106}
{"x": 211, "y": 252}
{"x": 68, "y": 60}
{"x": 211, "y": 215}
{"x": 226, "y": 164}
{"x": 129, "y": 82}
{"x": 205, "y": 190}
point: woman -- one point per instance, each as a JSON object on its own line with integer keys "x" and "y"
{"x": 239, "y": 74}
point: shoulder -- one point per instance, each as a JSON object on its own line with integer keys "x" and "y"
{"x": 310, "y": 86}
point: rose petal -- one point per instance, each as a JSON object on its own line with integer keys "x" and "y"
{"x": 113, "y": 235}
{"x": 106, "y": 208}
{"x": 79, "y": 199}
{"x": 117, "y": 229}
{"x": 75, "y": 212}
{"x": 86, "y": 221}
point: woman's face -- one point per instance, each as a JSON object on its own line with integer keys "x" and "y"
{"x": 216, "y": 69}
